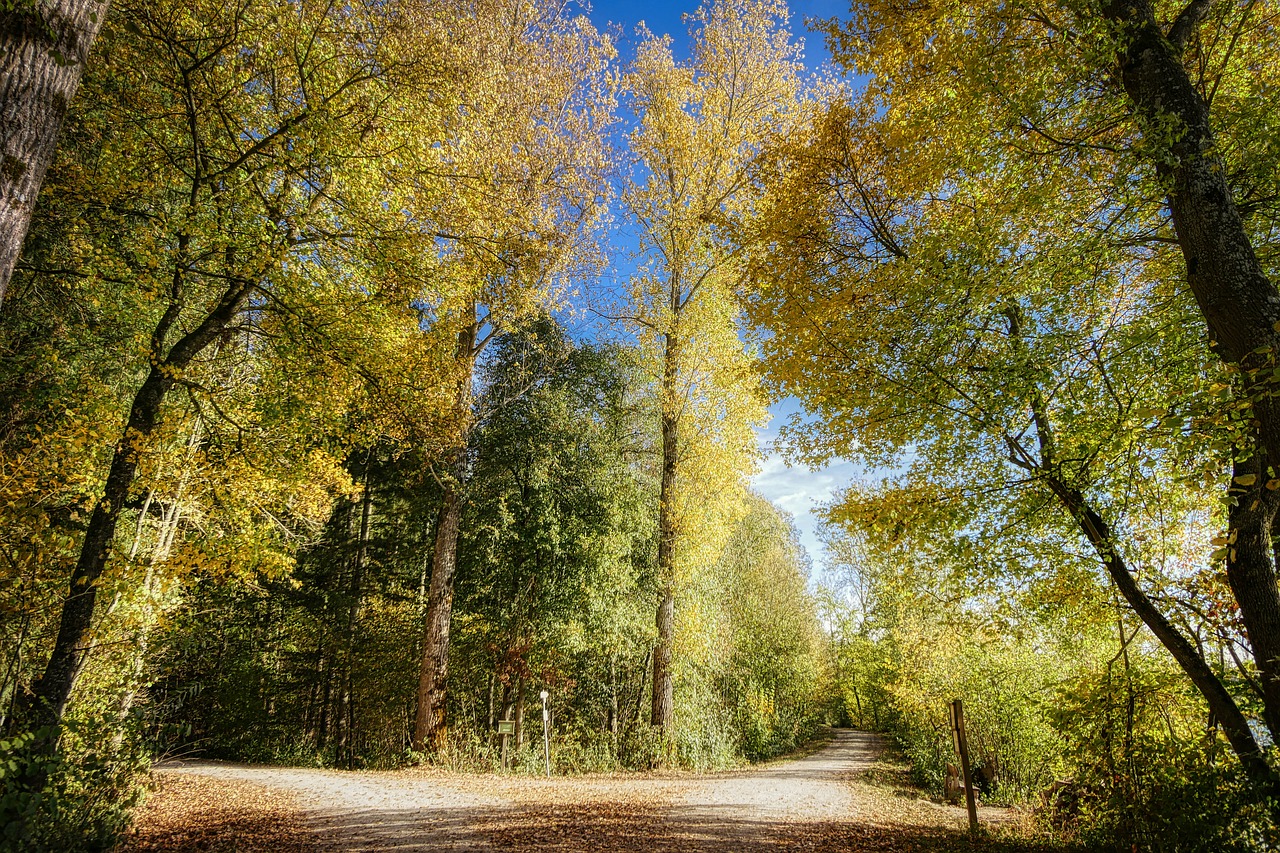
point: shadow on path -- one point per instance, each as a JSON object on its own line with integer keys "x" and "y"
{"x": 804, "y": 804}
{"x": 585, "y": 829}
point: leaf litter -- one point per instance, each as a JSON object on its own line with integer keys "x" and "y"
{"x": 823, "y": 802}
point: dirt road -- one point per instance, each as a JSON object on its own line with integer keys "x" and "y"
{"x": 818, "y": 802}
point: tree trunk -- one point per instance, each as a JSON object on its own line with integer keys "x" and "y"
{"x": 429, "y": 725}
{"x": 53, "y": 689}
{"x": 519, "y": 734}
{"x": 326, "y": 699}
{"x": 663, "y": 709}
{"x": 1251, "y": 574}
{"x": 43, "y": 50}
{"x": 613, "y": 704}
{"x": 1241, "y": 306}
{"x": 355, "y": 593}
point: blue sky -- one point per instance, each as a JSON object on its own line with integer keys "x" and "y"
{"x": 795, "y": 490}
{"x": 663, "y": 16}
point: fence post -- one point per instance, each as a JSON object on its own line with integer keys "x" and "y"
{"x": 962, "y": 747}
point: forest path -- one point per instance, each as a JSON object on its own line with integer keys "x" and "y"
{"x": 731, "y": 809}
{"x": 817, "y": 802}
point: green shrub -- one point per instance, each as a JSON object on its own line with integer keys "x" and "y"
{"x": 90, "y": 789}
{"x": 1175, "y": 801}
{"x": 1147, "y": 775}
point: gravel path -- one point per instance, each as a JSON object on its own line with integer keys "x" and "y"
{"x": 370, "y": 811}
{"x": 809, "y": 803}
{"x": 742, "y": 806}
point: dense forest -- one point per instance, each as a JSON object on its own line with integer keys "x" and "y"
{"x": 374, "y": 371}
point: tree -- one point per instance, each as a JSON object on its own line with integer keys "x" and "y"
{"x": 231, "y": 211}
{"x": 532, "y": 160}
{"x": 555, "y": 548}
{"x": 700, "y": 125}
{"x": 43, "y": 51}
{"x": 769, "y": 676}
{"x": 1032, "y": 226}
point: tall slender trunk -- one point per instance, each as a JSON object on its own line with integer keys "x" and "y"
{"x": 636, "y": 715}
{"x": 43, "y": 50}
{"x": 491, "y": 719}
{"x": 519, "y": 712}
{"x": 613, "y": 704}
{"x": 663, "y": 706}
{"x": 166, "y": 534}
{"x": 326, "y": 696}
{"x": 429, "y": 725}
{"x": 355, "y": 596}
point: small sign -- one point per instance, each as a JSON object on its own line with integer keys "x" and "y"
{"x": 506, "y": 727}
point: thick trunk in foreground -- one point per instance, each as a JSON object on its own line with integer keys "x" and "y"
{"x": 43, "y": 50}
{"x": 429, "y": 724}
{"x": 1251, "y": 574}
{"x": 663, "y": 708}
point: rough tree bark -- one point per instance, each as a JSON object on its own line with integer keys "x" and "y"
{"x": 429, "y": 724}
{"x": 1252, "y": 577}
{"x": 43, "y": 49}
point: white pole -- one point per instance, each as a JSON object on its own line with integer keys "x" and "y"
{"x": 546, "y": 732}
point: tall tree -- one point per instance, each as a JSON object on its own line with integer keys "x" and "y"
{"x": 701, "y": 123}
{"x": 43, "y": 51}
{"x": 531, "y": 156}
{"x": 1034, "y": 225}
{"x": 231, "y": 209}
{"x": 555, "y": 541}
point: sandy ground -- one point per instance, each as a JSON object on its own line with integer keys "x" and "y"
{"x": 822, "y": 801}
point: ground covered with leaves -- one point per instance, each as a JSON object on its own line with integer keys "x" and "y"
{"x": 845, "y": 797}
{"x": 201, "y": 814}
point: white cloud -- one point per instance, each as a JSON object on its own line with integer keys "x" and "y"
{"x": 800, "y": 489}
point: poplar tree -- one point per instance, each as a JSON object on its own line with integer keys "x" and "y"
{"x": 701, "y": 123}
{"x": 529, "y": 160}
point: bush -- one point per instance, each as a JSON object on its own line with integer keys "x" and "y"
{"x": 1176, "y": 801}
{"x": 1147, "y": 775}
{"x": 90, "y": 788}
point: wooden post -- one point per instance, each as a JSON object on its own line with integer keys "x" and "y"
{"x": 506, "y": 728}
{"x": 962, "y": 747}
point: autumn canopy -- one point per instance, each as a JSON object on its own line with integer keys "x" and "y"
{"x": 368, "y": 368}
